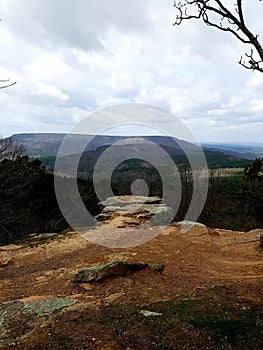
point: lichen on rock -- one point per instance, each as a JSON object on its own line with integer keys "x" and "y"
{"x": 113, "y": 268}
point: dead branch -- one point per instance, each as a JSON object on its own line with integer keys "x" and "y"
{"x": 213, "y": 13}
{"x": 6, "y": 85}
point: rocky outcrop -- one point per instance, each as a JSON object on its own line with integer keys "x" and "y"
{"x": 110, "y": 269}
{"x": 130, "y": 211}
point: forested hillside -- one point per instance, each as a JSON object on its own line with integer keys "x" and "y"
{"x": 29, "y": 205}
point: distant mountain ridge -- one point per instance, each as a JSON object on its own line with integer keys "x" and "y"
{"x": 50, "y": 142}
{"x": 246, "y": 151}
{"x": 46, "y": 145}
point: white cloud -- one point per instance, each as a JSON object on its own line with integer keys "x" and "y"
{"x": 73, "y": 57}
{"x": 47, "y": 67}
{"x": 51, "y": 91}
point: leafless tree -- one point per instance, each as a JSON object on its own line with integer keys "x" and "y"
{"x": 10, "y": 149}
{"x": 214, "y": 13}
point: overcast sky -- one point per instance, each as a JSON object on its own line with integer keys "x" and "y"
{"x": 72, "y": 57}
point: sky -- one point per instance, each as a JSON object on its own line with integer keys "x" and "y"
{"x": 71, "y": 58}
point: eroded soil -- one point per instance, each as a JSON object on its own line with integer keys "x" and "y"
{"x": 197, "y": 262}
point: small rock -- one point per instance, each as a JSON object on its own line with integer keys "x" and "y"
{"x": 258, "y": 234}
{"x": 85, "y": 286}
{"x": 120, "y": 256}
{"x": 157, "y": 267}
{"x": 4, "y": 259}
{"x": 215, "y": 233}
{"x": 111, "y": 298}
{"x": 80, "y": 307}
{"x": 147, "y": 313}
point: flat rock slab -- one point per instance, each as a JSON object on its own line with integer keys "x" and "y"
{"x": 25, "y": 324}
{"x": 124, "y": 200}
{"x": 114, "y": 268}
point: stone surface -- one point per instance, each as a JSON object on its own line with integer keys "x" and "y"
{"x": 80, "y": 307}
{"x": 85, "y": 286}
{"x": 131, "y": 211}
{"x": 114, "y": 268}
{"x": 25, "y": 324}
{"x": 188, "y": 223}
{"x": 147, "y": 313}
{"x": 256, "y": 232}
{"x": 191, "y": 228}
{"x": 47, "y": 306}
{"x": 123, "y": 200}
{"x": 113, "y": 297}
{"x": 5, "y": 259}
{"x": 157, "y": 267}
{"x": 193, "y": 263}
{"x": 110, "y": 269}
{"x": 123, "y": 256}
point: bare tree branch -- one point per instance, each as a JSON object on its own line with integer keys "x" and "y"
{"x": 215, "y": 14}
{"x": 6, "y": 85}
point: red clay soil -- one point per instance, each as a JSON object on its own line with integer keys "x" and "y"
{"x": 200, "y": 258}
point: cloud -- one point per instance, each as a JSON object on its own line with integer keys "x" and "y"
{"x": 73, "y": 57}
{"x": 50, "y": 91}
{"x": 71, "y": 23}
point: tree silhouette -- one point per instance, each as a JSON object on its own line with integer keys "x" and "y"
{"x": 27, "y": 200}
{"x": 214, "y": 13}
{"x": 253, "y": 171}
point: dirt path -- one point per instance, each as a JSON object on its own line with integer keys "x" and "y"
{"x": 194, "y": 260}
